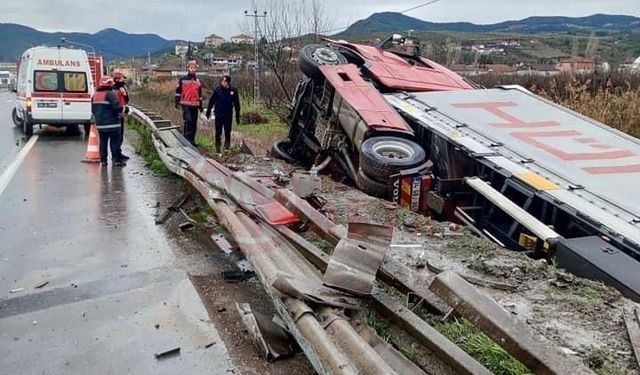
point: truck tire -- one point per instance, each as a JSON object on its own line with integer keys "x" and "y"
{"x": 314, "y": 55}
{"x": 17, "y": 122}
{"x": 280, "y": 151}
{"x": 381, "y": 157}
{"x": 27, "y": 129}
{"x": 373, "y": 187}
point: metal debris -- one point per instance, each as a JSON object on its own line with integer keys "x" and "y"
{"x": 270, "y": 339}
{"x": 234, "y": 277}
{"x": 168, "y": 353}
{"x": 305, "y": 184}
{"x": 41, "y": 285}
{"x": 357, "y": 257}
{"x": 311, "y": 291}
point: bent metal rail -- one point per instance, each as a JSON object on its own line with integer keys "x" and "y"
{"x": 257, "y": 217}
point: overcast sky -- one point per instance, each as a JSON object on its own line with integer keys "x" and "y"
{"x": 192, "y": 20}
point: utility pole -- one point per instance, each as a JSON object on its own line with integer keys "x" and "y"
{"x": 256, "y": 71}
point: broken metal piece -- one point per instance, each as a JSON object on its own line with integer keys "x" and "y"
{"x": 305, "y": 184}
{"x": 308, "y": 290}
{"x": 17, "y": 290}
{"x": 234, "y": 277}
{"x": 160, "y": 219}
{"x": 42, "y": 285}
{"x": 168, "y": 353}
{"x": 270, "y": 339}
{"x": 513, "y": 335}
{"x": 222, "y": 243}
{"x": 186, "y": 225}
{"x": 357, "y": 257}
{"x": 476, "y": 280}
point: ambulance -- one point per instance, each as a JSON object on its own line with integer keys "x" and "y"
{"x": 54, "y": 87}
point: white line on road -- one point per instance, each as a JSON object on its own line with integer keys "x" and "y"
{"x": 8, "y": 101}
{"x": 8, "y": 173}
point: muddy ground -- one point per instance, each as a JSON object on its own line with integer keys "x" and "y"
{"x": 581, "y": 317}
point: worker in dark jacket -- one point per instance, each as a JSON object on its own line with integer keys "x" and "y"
{"x": 107, "y": 113}
{"x": 224, "y": 98}
{"x": 189, "y": 96}
{"x": 123, "y": 99}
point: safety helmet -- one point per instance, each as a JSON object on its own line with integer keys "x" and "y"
{"x": 106, "y": 81}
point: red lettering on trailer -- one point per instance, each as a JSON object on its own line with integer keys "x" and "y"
{"x": 634, "y": 168}
{"x": 511, "y": 121}
{"x": 529, "y": 137}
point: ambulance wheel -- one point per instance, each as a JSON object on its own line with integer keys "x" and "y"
{"x": 87, "y": 129}
{"x": 312, "y": 56}
{"x": 381, "y": 157}
{"x": 16, "y": 120}
{"x": 27, "y": 128}
{"x": 373, "y": 187}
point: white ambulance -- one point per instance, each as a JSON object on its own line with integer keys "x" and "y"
{"x": 54, "y": 87}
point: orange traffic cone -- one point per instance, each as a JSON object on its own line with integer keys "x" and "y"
{"x": 93, "y": 146}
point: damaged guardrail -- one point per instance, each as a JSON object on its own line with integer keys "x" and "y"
{"x": 317, "y": 295}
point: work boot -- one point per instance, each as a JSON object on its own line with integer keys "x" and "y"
{"x": 124, "y": 157}
{"x": 103, "y": 163}
{"x": 227, "y": 146}
{"x": 217, "y": 149}
{"x": 119, "y": 163}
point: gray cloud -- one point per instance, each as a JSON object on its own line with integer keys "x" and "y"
{"x": 197, "y": 18}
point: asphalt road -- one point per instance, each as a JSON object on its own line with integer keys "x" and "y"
{"x": 88, "y": 282}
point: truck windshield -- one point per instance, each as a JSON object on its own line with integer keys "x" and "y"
{"x": 58, "y": 81}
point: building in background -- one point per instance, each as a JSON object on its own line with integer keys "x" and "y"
{"x": 213, "y": 41}
{"x": 182, "y": 48}
{"x": 242, "y": 39}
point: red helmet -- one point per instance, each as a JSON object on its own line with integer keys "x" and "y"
{"x": 106, "y": 81}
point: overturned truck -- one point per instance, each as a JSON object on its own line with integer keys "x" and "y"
{"x": 520, "y": 170}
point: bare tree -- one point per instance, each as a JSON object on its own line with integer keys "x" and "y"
{"x": 288, "y": 25}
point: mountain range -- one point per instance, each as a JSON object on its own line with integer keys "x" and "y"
{"x": 389, "y": 22}
{"x": 110, "y": 43}
{"x": 115, "y": 44}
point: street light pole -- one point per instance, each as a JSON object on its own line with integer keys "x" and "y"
{"x": 256, "y": 71}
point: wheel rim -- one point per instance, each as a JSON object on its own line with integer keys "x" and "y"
{"x": 393, "y": 150}
{"x": 325, "y": 56}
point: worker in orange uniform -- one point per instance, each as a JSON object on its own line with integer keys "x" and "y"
{"x": 123, "y": 99}
{"x": 189, "y": 96}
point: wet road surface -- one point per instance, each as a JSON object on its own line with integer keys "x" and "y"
{"x": 113, "y": 293}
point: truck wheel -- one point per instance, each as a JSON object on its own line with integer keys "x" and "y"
{"x": 16, "y": 120}
{"x": 373, "y": 187}
{"x": 27, "y": 129}
{"x": 314, "y": 55}
{"x": 280, "y": 150}
{"x": 381, "y": 157}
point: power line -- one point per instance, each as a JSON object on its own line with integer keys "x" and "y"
{"x": 402, "y": 12}
{"x": 419, "y": 6}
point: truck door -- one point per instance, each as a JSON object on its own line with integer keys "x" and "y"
{"x": 76, "y": 99}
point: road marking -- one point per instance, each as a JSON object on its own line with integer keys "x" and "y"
{"x": 8, "y": 173}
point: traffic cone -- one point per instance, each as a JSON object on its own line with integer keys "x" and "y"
{"x": 93, "y": 146}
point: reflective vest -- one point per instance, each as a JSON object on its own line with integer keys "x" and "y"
{"x": 190, "y": 91}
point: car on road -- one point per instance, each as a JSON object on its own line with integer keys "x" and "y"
{"x": 522, "y": 171}
{"x": 54, "y": 87}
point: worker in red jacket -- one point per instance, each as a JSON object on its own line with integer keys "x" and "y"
{"x": 107, "y": 113}
{"x": 189, "y": 96}
{"x": 123, "y": 99}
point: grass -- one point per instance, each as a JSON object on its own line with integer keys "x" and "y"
{"x": 464, "y": 334}
{"x": 144, "y": 146}
{"x": 380, "y": 326}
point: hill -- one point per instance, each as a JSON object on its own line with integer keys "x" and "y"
{"x": 389, "y": 22}
{"x": 110, "y": 43}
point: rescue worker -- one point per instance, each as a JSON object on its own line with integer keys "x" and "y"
{"x": 123, "y": 99}
{"x": 189, "y": 95}
{"x": 107, "y": 113}
{"x": 223, "y": 99}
